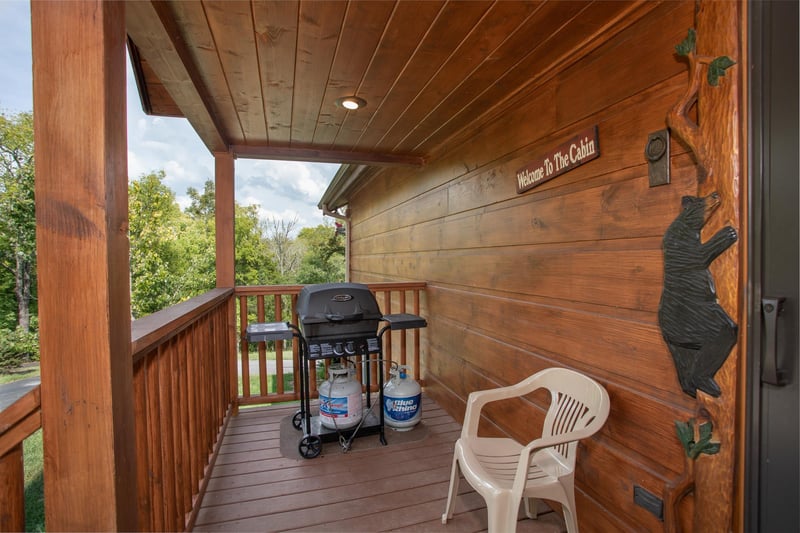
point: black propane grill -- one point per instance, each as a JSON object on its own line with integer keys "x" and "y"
{"x": 337, "y": 320}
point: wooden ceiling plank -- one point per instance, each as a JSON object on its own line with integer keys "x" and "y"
{"x": 407, "y": 27}
{"x": 156, "y": 44}
{"x": 191, "y": 17}
{"x": 505, "y": 58}
{"x": 456, "y": 22}
{"x": 558, "y": 49}
{"x": 275, "y": 25}
{"x": 231, "y": 25}
{"x": 315, "y": 155}
{"x": 488, "y": 34}
{"x": 363, "y": 27}
{"x": 318, "y": 34}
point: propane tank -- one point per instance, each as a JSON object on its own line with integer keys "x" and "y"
{"x": 402, "y": 396}
{"x": 340, "y": 399}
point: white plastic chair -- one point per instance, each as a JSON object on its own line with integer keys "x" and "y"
{"x": 504, "y": 471}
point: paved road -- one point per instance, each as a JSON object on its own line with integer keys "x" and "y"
{"x": 11, "y": 392}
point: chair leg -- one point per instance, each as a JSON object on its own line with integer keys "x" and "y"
{"x": 569, "y": 520}
{"x": 453, "y": 492}
{"x": 531, "y": 508}
{"x": 503, "y": 509}
{"x": 568, "y": 506}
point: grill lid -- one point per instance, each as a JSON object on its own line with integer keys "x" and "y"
{"x": 338, "y": 303}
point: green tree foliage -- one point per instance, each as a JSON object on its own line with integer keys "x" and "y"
{"x": 255, "y": 265}
{"x": 173, "y": 251}
{"x": 17, "y": 222}
{"x": 199, "y": 241}
{"x": 156, "y": 224}
{"x": 323, "y": 255}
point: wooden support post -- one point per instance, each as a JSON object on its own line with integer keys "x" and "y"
{"x": 83, "y": 266}
{"x": 224, "y": 211}
{"x": 720, "y": 117}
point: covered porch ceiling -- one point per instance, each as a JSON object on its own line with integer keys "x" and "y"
{"x": 260, "y": 79}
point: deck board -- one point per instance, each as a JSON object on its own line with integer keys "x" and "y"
{"x": 399, "y": 487}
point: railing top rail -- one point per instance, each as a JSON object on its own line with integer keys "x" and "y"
{"x": 253, "y": 290}
{"x": 20, "y": 419}
{"x": 154, "y": 329}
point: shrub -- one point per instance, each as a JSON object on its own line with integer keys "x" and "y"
{"x": 17, "y": 347}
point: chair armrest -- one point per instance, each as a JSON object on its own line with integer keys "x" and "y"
{"x": 478, "y": 399}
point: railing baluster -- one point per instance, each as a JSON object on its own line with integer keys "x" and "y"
{"x": 244, "y": 348}
{"x": 262, "y": 348}
{"x": 278, "y": 347}
{"x": 12, "y": 485}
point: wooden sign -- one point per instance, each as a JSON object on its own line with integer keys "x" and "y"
{"x": 571, "y": 154}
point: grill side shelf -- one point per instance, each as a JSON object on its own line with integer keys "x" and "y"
{"x": 400, "y": 321}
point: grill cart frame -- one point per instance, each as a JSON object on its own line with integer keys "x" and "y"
{"x": 337, "y": 320}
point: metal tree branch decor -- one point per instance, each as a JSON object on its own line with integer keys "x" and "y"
{"x": 694, "y": 444}
{"x": 677, "y": 118}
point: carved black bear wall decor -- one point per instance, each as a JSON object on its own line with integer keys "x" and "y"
{"x": 697, "y": 330}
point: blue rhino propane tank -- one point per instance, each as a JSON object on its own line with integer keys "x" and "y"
{"x": 402, "y": 396}
{"x": 340, "y": 399}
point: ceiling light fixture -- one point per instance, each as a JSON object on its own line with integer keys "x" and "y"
{"x": 351, "y": 102}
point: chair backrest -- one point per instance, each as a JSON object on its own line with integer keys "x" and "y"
{"x": 578, "y": 405}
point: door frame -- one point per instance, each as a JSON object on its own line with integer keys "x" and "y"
{"x": 758, "y": 143}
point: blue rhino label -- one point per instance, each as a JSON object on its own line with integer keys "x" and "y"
{"x": 401, "y": 409}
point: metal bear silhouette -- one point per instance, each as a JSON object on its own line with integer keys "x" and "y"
{"x": 697, "y": 330}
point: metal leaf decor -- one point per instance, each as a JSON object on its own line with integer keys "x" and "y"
{"x": 703, "y": 444}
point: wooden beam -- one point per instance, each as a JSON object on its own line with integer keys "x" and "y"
{"x": 152, "y": 27}
{"x": 313, "y": 155}
{"x": 224, "y": 215}
{"x": 83, "y": 266}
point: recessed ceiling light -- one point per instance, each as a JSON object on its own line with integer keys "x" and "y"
{"x": 351, "y": 102}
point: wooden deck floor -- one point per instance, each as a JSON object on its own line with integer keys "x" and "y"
{"x": 400, "y": 487}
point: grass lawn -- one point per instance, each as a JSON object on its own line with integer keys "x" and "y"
{"x": 34, "y": 482}
{"x": 20, "y": 373}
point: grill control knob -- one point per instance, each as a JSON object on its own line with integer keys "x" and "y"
{"x": 338, "y": 349}
{"x": 350, "y": 347}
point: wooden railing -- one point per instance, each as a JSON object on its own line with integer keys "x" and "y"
{"x": 183, "y": 394}
{"x": 185, "y": 390}
{"x": 17, "y": 423}
{"x": 269, "y": 377}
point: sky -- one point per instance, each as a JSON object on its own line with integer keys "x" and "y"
{"x": 284, "y": 190}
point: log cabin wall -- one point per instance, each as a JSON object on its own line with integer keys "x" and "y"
{"x": 568, "y": 273}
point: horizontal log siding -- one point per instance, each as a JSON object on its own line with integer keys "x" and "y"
{"x": 566, "y": 274}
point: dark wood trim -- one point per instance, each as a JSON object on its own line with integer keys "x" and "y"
{"x": 139, "y": 77}
{"x": 327, "y": 156}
